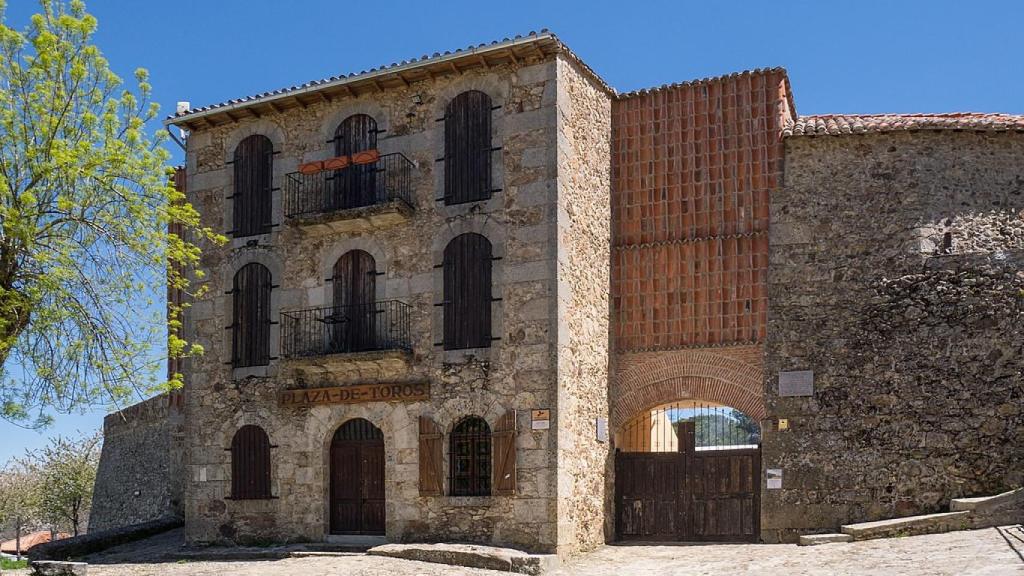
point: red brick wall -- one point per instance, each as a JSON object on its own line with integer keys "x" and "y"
{"x": 692, "y": 167}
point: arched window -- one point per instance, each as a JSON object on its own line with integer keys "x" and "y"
{"x": 250, "y": 464}
{"x": 471, "y": 458}
{"x": 250, "y": 329}
{"x": 355, "y": 185}
{"x": 354, "y": 316}
{"x": 467, "y": 292}
{"x": 467, "y": 148}
{"x": 253, "y": 163}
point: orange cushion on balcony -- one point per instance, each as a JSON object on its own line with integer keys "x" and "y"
{"x": 366, "y": 157}
{"x": 336, "y": 163}
{"x": 311, "y": 167}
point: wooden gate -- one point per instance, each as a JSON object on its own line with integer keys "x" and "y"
{"x": 357, "y": 479}
{"x": 690, "y": 495}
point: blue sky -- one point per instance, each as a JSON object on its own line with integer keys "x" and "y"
{"x": 862, "y": 56}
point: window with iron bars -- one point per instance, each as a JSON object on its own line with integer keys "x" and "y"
{"x": 471, "y": 458}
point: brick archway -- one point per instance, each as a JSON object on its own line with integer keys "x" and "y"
{"x": 685, "y": 374}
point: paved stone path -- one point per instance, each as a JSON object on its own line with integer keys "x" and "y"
{"x": 990, "y": 552}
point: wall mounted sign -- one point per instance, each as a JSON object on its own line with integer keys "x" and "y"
{"x": 602, "y": 429}
{"x": 774, "y": 478}
{"x": 798, "y": 383}
{"x": 540, "y": 419}
{"x": 356, "y": 394}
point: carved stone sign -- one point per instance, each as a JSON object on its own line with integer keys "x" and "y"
{"x": 799, "y": 383}
{"x": 356, "y": 394}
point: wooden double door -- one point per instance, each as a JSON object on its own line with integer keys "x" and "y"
{"x": 357, "y": 479}
{"x": 689, "y": 495}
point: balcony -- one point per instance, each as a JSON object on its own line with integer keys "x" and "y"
{"x": 362, "y": 195}
{"x": 349, "y": 337}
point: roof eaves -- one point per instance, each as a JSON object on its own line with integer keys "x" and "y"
{"x": 337, "y": 81}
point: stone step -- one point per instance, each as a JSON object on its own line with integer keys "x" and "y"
{"x": 471, "y": 556}
{"x": 817, "y": 539}
{"x": 909, "y": 526}
{"x": 986, "y": 502}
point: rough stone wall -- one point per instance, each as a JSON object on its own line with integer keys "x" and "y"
{"x": 140, "y": 475}
{"x": 518, "y": 372}
{"x": 916, "y": 349}
{"x": 584, "y": 240}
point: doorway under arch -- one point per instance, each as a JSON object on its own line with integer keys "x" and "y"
{"x": 356, "y": 493}
{"x": 688, "y": 471}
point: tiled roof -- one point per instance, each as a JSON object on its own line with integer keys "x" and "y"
{"x": 714, "y": 79}
{"x": 539, "y": 41}
{"x": 840, "y": 124}
{"x": 29, "y": 541}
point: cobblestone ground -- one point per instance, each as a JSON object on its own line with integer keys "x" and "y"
{"x": 990, "y": 552}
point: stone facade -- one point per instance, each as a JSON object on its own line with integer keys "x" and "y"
{"x": 584, "y": 239}
{"x": 548, "y": 227}
{"x": 141, "y": 470}
{"x": 916, "y": 349}
{"x": 680, "y": 244}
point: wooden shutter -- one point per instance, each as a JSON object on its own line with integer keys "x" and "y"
{"x": 356, "y": 185}
{"x": 253, "y": 164}
{"x": 355, "y": 313}
{"x": 467, "y": 292}
{"x": 431, "y": 456}
{"x": 250, "y": 464}
{"x": 251, "y": 323}
{"x": 467, "y": 148}
{"x": 504, "y": 446}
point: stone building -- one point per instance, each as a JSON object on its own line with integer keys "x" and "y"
{"x": 454, "y": 288}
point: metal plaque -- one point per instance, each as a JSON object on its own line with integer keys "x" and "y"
{"x": 541, "y": 419}
{"x": 774, "y": 478}
{"x": 602, "y": 429}
{"x": 797, "y": 383}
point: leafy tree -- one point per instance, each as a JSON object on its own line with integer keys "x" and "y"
{"x": 18, "y": 499}
{"x": 66, "y": 473}
{"x": 86, "y": 204}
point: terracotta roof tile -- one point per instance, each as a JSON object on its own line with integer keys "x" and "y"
{"x": 315, "y": 85}
{"x": 29, "y": 541}
{"x": 840, "y": 124}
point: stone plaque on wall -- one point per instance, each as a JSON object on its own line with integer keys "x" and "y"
{"x": 602, "y": 429}
{"x": 356, "y": 394}
{"x": 797, "y": 383}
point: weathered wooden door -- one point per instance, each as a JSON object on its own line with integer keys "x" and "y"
{"x": 357, "y": 479}
{"x": 354, "y": 316}
{"x": 356, "y": 185}
{"x": 690, "y": 495}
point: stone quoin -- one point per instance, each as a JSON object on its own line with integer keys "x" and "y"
{"x": 451, "y": 283}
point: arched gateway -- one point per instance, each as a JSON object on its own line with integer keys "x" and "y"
{"x": 357, "y": 479}
{"x": 687, "y": 428}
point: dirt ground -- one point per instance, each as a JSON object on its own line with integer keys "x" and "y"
{"x": 989, "y": 552}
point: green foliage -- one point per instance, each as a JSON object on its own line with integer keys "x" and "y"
{"x": 86, "y": 204}
{"x": 19, "y": 497}
{"x": 8, "y": 564}
{"x": 718, "y": 428}
{"x": 66, "y": 472}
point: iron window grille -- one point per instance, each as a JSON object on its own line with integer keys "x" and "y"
{"x": 471, "y": 458}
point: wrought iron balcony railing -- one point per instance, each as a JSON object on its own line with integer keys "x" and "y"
{"x": 355, "y": 186}
{"x": 345, "y": 329}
